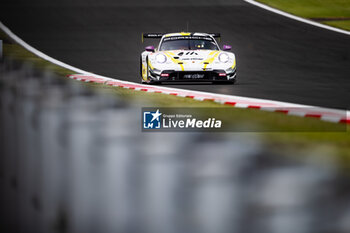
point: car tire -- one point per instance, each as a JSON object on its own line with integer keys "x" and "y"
{"x": 150, "y": 81}
{"x": 142, "y": 80}
{"x": 141, "y": 68}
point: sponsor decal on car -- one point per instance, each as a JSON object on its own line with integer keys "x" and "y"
{"x": 188, "y": 38}
{"x": 194, "y": 76}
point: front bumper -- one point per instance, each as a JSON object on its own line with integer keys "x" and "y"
{"x": 193, "y": 76}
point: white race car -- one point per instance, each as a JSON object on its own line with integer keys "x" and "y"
{"x": 185, "y": 57}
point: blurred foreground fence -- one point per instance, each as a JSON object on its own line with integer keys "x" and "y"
{"x": 75, "y": 160}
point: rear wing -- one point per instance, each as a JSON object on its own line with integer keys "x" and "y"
{"x": 152, "y": 35}
{"x": 157, "y": 35}
{"x": 215, "y": 34}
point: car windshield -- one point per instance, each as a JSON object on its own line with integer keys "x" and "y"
{"x": 190, "y": 43}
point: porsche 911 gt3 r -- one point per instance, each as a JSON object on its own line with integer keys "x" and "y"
{"x": 187, "y": 57}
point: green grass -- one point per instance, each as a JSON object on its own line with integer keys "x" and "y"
{"x": 297, "y": 142}
{"x": 344, "y": 24}
{"x": 316, "y": 9}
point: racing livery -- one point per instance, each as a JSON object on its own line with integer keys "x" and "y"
{"x": 187, "y": 57}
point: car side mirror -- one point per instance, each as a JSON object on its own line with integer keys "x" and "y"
{"x": 150, "y": 48}
{"x": 226, "y": 47}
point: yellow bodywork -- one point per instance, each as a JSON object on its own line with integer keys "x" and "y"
{"x": 144, "y": 72}
{"x": 168, "y": 54}
{"x": 210, "y": 60}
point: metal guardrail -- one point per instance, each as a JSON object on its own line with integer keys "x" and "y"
{"x": 75, "y": 160}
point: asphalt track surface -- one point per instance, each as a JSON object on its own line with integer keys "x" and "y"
{"x": 277, "y": 58}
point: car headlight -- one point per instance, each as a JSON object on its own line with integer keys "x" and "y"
{"x": 223, "y": 57}
{"x": 160, "y": 58}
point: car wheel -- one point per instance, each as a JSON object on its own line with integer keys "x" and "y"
{"x": 142, "y": 80}
{"x": 141, "y": 68}
{"x": 150, "y": 81}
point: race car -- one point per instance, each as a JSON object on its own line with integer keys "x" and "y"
{"x": 187, "y": 57}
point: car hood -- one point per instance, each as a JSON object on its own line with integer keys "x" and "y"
{"x": 192, "y": 60}
{"x": 191, "y": 55}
